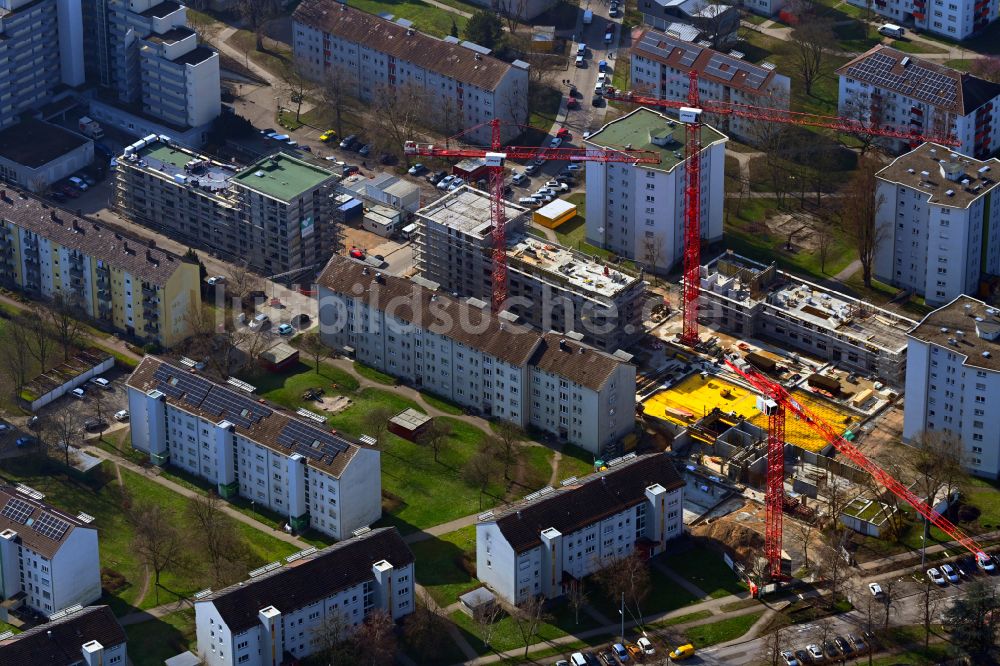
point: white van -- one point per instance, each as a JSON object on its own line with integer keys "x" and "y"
{"x": 577, "y": 659}
{"x": 527, "y": 201}
{"x": 581, "y": 49}
{"x": 580, "y": 61}
{"x": 78, "y": 183}
{"x": 892, "y": 30}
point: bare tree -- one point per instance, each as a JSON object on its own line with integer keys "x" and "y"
{"x": 336, "y": 91}
{"x": 39, "y": 335}
{"x": 215, "y": 536}
{"x": 314, "y": 348}
{"x": 929, "y": 599}
{"x": 63, "y": 428}
{"x": 625, "y": 577}
{"x": 832, "y": 561}
{"x": 506, "y": 445}
{"x": 377, "y": 422}
{"x": 528, "y": 616}
{"x": 436, "y": 436}
{"x": 242, "y": 285}
{"x": 512, "y": 13}
{"x": 488, "y": 620}
{"x": 98, "y": 402}
{"x": 256, "y": 14}
{"x": 65, "y": 324}
{"x": 774, "y": 646}
{"x": 890, "y": 602}
{"x": 422, "y": 630}
{"x": 375, "y": 640}
{"x": 803, "y": 532}
{"x": 15, "y": 358}
{"x": 577, "y": 597}
{"x": 812, "y": 42}
{"x": 859, "y": 208}
{"x": 297, "y": 85}
{"x": 479, "y": 471}
{"x": 157, "y": 542}
{"x": 332, "y": 638}
{"x": 654, "y": 248}
{"x": 986, "y": 67}
{"x": 825, "y": 236}
{"x": 397, "y": 113}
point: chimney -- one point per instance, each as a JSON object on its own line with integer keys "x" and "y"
{"x": 563, "y": 346}
{"x": 152, "y": 242}
{"x": 54, "y": 216}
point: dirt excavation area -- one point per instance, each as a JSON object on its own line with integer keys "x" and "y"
{"x": 741, "y": 531}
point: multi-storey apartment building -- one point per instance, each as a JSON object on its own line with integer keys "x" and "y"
{"x": 750, "y": 299}
{"x": 939, "y": 223}
{"x": 905, "y": 92}
{"x": 165, "y": 186}
{"x": 88, "y": 636}
{"x": 119, "y": 280}
{"x": 954, "y": 19}
{"x": 290, "y": 464}
{"x": 637, "y": 210}
{"x": 541, "y": 545}
{"x": 953, "y": 381}
{"x": 457, "y": 85}
{"x": 661, "y": 63}
{"x": 462, "y": 352}
{"x": 550, "y": 287}
{"x": 285, "y": 202}
{"x": 42, "y": 47}
{"x": 47, "y": 555}
{"x": 290, "y": 610}
{"x": 145, "y": 54}
{"x": 715, "y": 23}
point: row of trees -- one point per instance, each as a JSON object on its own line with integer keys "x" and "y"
{"x": 38, "y": 339}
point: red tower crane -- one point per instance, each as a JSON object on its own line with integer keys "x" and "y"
{"x": 780, "y": 400}
{"x": 690, "y": 111}
{"x": 495, "y": 156}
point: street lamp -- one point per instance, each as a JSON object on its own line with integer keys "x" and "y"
{"x": 621, "y": 612}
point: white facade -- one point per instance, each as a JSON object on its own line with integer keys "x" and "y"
{"x": 953, "y": 381}
{"x": 333, "y": 498}
{"x": 53, "y": 574}
{"x": 296, "y": 623}
{"x": 954, "y": 19}
{"x": 935, "y": 244}
{"x": 887, "y": 85}
{"x": 764, "y": 7}
{"x": 517, "y": 564}
{"x": 637, "y": 210}
{"x": 459, "y": 352}
{"x": 462, "y": 87}
{"x": 660, "y": 65}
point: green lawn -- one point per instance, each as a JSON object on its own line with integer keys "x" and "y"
{"x": 443, "y": 564}
{"x": 574, "y": 462}
{"x": 286, "y": 388}
{"x": 544, "y": 105}
{"x": 426, "y": 18}
{"x": 446, "y": 406}
{"x": 961, "y": 65}
{"x": 907, "y": 46}
{"x": 724, "y": 630}
{"x": 706, "y": 569}
{"x": 276, "y": 58}
{"x": 507, "y": 638}
{"x": 664, "y": 596}
{"x": 880, "y": 294}
{"x": 151, "y": 643}
{"x": 683, "y": 619}
{"x": 373, "y": 374}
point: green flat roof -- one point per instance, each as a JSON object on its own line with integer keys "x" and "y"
{"x": 637, "y": 128}
{"x": 164, "y": 153}
{"x": 282, "y": 177}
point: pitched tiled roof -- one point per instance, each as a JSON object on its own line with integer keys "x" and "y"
{"x": 432, "y": 310}
{"x": 591, "y": 499}
{"x": 93, "y": 238}
{"x": 22, "y": 513}
{"x": 922, "y": 80}
{"x": 310, "y": 579}
{"x": 458, "y": 62}
{"x": 266, "y": 430}
{"x": 58, "y": 643}
{"x": 711, "y": 65}
{"x": 578, "y": 363}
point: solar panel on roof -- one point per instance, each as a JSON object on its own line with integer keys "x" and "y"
{"x": 235, "y": 407}
{"x": 17, "y": 510}
{"x": 51, "y": 527}
{"x": 176, "y": 384}
{"x": 310, "y": 441}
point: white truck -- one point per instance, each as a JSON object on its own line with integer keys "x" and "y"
{"x": 90, "y": 127}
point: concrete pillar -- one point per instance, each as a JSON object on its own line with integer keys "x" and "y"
{"x": 10, "y": 579}
{"x": 552, "y": 558}
{"x": 156, "y": 424}
{"x": 272, "y": 638}
{"x": 93, "y": 653}
{"x": 225, "y": 471}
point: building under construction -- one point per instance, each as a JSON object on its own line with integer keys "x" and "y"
{"x": 749, "y": 299}
{"x": 551, "y": 287}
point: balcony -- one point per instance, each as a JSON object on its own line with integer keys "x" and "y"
{"x": 149, "y": 314}
{"x": 148, "y": 293}
{"x": 76, "y": 271}
{"x": 152, "y": 329}
{"x": 104, "y": 295}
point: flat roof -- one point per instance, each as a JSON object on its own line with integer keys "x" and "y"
{"x": 966, "y": 326}
{"x": 639, "y": 129}
{"x": 951, "y": 179}
{"x": 823, "y": 308}
{"x": 468, "y": 210}
{"x": 282, "y": 177}
{"x": 410, "y": 419}
{"x": 171, "y": 36}
{"x": 176, "y": 162}
{"x": 555, "y": 208}
{"x": 196, "y": 56}
{"x": 34, "y": 143}
{"x": 578, "y": 269}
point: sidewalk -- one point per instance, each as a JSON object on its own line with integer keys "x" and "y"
{"x": 914, "y": 557}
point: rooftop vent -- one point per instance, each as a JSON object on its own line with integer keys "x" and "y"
{"x": 911, "y": 170}
{"x": 949, "y": 193}
{"x": 944, "y": 330}
{"x": 925, "y": 174}
{"x": 983, "y": 169}
{"x": 953, "y": 342}
{"x": 986, "y": 354}
{"x": 905, "y": 61}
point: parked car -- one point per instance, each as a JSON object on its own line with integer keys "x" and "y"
{"x": 357, "y": 253}
{"x": 27, "y": 440}
{"x": 436, "y": 177}
{"x": 789, "y": 658}
{"x": 620, "y": 652}
{"x": 936, "y": 577}
{"x": 268, "y": 131}
{"x": 95, "y": 424}
{"x": 348, "y": 141}
{"x": 416, "y": 169}
{"x": 260, "y": 321}
{"x": 830, "y": 650}
{"x": 844, "y": 646}
{"x": 78, "y": 183}
{"x": 216, "y": 279}
{"x": 607, "y": 658}
{"x": 56, "y": 195}
{"x": 580, "y": 62}
{"x": 555, "y": 142}
{"x": 858, "y": 642}
{"x": 876, "y": 590}
{"x": 613, "y": 10}
{"x": 531, "y": 169}
{"x": 387, "y": 159}
{"x": 78, "y": 393}
{"x": 285, "y": 329}
{"x": 682, "y": 652}
{"x": 328, "y": 135}
{"x": 815, "y": 652}
{"x": 121, "y": 415}
{"x": 365, "y": 150}
{"x": 986, "y": 563}
{"x": 573, "y": 167}
{"x": 445, "y": 182}
{"x": 455, "y": 184}
{"x": 571, "y": 103}
{"x": 645, "y": 645}
{"x": 949, "y": 573}
{"x": 633, "y": 651}
{"x": 564, "y": 134}
{"x": 609, "y": 34}
{"x": 519, "y": 179}
{"x": 101, "y": 382}
{"x": 69, "y": 190}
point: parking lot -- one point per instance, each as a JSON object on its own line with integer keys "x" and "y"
{"x": 107, "y": 401}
